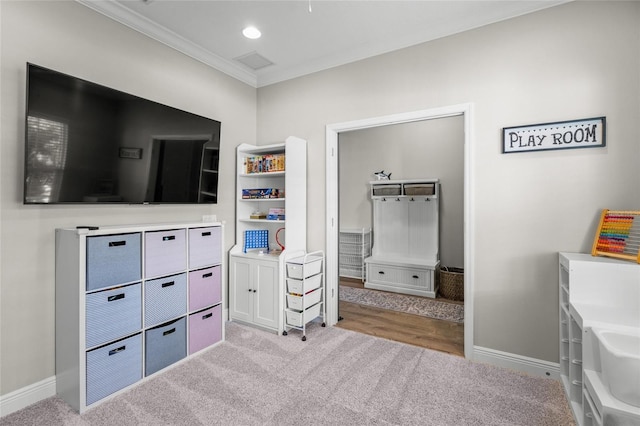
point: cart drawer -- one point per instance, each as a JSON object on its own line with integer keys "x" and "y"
{"x": 298, "y": 319}
{"x": 300, "y": 303}
{"x": 304, "y": 286}
{"x": 297, "y": 269}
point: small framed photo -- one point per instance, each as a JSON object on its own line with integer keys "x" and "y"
{"x": 133, "y": 153}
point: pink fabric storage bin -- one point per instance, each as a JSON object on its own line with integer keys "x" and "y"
{"x": 165, "y": 252}
{"x": 205, "y": 288}
{"x": 205, "y": 328}
{"x": 205, "y": 246}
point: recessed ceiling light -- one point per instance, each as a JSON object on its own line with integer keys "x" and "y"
{"x": 251, "y": 32}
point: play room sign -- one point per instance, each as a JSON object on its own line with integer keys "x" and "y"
{"x": 586, "y": 133}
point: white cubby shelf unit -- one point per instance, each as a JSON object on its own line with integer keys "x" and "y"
{"x": 131, "y": 301}
{"x": 270, "y": 178}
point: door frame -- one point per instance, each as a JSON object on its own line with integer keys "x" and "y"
{"x": 332, "y": 203}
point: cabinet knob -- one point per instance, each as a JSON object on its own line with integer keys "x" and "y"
{"x": 255, "y": 291}
{"x": 381, "y": 272}
{"x": 416, "y": 277}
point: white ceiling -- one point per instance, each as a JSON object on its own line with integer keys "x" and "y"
{"x": 303, "y": 36}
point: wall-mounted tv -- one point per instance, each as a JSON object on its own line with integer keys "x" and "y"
{"x": 86, "y": 143}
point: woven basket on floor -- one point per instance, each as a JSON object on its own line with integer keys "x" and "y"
{"x": 452, "y": 283}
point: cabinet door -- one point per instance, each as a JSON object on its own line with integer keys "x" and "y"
{"x": 266, "y": 297}
{"x": 240, "y": 289}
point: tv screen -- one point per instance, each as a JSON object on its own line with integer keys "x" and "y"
{"x": 86, "y": 143}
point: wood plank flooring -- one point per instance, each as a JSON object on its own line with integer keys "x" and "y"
{"x": 444, "y": 336}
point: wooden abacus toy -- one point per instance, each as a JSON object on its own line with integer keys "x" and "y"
{"x": 618, "y": 235}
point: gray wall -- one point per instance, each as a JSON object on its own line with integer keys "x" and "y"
{"x": 574, "y": 61}
{"x": 416, "y": 150}
{"x": 73, "y": 39}
{"x": 577, "y": 60}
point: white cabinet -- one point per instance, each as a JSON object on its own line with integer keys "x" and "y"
{"x": 406, "y": 238}
{"x": 254, "y": 294}
{"x": 132, "y": 300}
{"x": 271, "y": 219}
{"x": 355, "y": 247}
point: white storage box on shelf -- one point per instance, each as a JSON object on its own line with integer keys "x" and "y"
{"x": 297, "y": 319}
{"x": 298, "y": 286}
{"x": 298, "y": 269}
{"x": 305, "y": 291}
{"x": 304, "y": 301}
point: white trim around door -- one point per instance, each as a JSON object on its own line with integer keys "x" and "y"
{"x": 332, "y": 188}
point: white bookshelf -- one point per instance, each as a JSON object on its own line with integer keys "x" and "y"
{"x": 256, "y": 274}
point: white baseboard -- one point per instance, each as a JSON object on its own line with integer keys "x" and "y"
{"x": 26, "y": 396}
{"x": 532, "y": 366}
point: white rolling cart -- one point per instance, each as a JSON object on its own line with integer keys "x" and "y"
{"x": 305, "y": 291}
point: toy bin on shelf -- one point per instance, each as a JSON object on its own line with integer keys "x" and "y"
{"x": 165, "y": 345}
{"x": 205, "y": 328}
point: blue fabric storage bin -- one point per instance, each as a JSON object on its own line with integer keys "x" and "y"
{"x": 113, "y": 367}
{"x": 165, "y": 299}
{"x": 165, "y": 344}
{"x": 113, "y": 259}
{"x": 113, "y": 313}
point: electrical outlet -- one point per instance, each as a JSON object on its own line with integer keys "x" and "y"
{"x": 209, "y": 218}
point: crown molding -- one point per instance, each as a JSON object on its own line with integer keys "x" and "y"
{"x": 137, "y": 22}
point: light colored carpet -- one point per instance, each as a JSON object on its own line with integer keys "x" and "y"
{"x": 336, "y": 377}
{"x": 417, "y": 305}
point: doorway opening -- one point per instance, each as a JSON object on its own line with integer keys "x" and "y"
{"x": 332, "y": 203}
{"x": 427, "y": 230}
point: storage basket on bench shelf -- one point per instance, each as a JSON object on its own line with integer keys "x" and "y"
{"x": 452, "y": 283}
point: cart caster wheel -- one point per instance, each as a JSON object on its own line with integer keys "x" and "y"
{"x": 304, "y": 338}
{"x": 324, "y": 324}
{"x": 284, "y": 333}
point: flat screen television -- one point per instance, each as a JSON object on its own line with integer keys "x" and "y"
{"x": 86, "y": 143}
